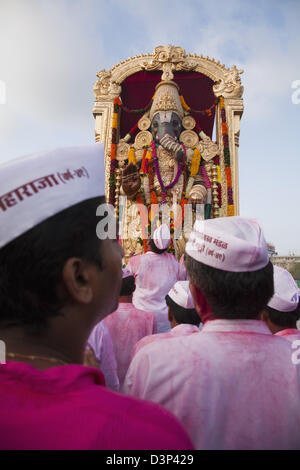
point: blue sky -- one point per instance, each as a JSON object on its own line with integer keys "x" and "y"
{"x": 51, "y": 50}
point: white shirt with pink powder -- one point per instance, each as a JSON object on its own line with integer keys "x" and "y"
{"x": 233, "y": 385}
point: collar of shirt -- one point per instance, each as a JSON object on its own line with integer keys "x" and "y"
{"x": 155, "y": 254}
{"x": 251, "y": 326}
{"x": 288, "y": 331}
{"x": 63, "y": 378}
{"x": 184, "y": 328}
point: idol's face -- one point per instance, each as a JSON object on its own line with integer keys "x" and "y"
{"x": 171, "y": 125}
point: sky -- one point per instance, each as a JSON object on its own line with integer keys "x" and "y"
{"x": 51, "y": 50}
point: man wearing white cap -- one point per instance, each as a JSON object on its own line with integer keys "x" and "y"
{"x": 182, "y": 315}
{"x": 127, "y": 325}
{"x": 57, "y": 280}
{"x": 155, "y": 273}
{"x": 283, "y": 310}
{"x": 233, "y": 385}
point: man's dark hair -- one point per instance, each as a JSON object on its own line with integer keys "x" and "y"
{"x": 31, "y": 265}
{"x": 155, "y": 249}
{"x": 181, "y": 314}
{"x": 128, "y": 285}
{"x": 287, "y": 319}
{"x": 232, "y": 295}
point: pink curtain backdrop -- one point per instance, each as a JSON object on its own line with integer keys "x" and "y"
{"x": 196, "y": 88}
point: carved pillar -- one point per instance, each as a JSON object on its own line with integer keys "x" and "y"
{"x": 234, "y": 110}
{"x": 231, "y": 89}
{"x": 105, "y": 90}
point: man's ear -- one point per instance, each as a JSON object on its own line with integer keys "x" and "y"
{"x": 77, "y": 281}
{"x": 200, "y": 302}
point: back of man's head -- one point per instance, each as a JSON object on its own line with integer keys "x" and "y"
{"x": 181, "y": 304}
{"x": 227, "y": 261}
{"x": 128, "y": 285}
{"x": 31, "y": 265}
{"x": 283, "y": 309}
{"x": 47, "y": 216}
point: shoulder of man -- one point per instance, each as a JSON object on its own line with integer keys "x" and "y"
{"x": 148, "y": 425}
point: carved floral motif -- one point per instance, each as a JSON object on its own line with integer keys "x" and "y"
{"x": 105, "y": 86}
{"x": 230, "y": 86}
{"x": 169, "y": 58}
{"x": 208, "y": 148}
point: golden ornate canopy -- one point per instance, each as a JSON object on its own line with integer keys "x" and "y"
{"x": 174, "y": 62}
{"x": 170, "y": 59}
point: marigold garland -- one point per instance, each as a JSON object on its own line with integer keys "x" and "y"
{"x": 218, "y": 174}
{"x": 208, "y": 111}
{"x": 230, "y": 211}
{"x": 113, "y": 161}
{"x": 228, "y": 176}
{"x": 184, "y": 105}
{"x": 143, "y": 164}
{"x": 196, "y": 159}
{"x": 131, "y": 156}
{"x": 230, "y": 202}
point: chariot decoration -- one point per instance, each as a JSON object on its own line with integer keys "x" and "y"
{"x": 156, "y": 115}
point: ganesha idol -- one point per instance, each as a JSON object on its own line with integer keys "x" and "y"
{"x": 166, "y": 168}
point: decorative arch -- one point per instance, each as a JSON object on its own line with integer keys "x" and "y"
{"x": 172, "y": 60}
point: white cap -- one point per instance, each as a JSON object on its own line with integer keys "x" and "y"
{"x": 37, "y": 186}
{"x": 231, "y": 244}
{"x": 162, "y": 237}
{"x": 181, "y": 294}
{"x": 126, "y": 273}
{"x": 286, "y": 294}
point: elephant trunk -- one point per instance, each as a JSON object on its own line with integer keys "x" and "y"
{"x": 169, "y": 143}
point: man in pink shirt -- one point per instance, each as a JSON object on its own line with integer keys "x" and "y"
{"x": 182, "y": 315}
{"x": 127, "y": 325}
{"x": 60, "y": 274}
{"x": 101, "y": 345}
{"x": 234, "y": 385}
{"x": 155, "y": 273}
{"x": 283, "y": 310}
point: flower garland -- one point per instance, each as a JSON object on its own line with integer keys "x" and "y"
{"x": 157, "y": 171}
{"x": 196, "y": 159}
{"x": 177, "y": 223}
{"x": 131, "y": 156}
{"x": 139, "y": 111}
{"x": 113, "y": 160}
{"x": 216, "y": 161}
{"x": 195, "y": 163}
{"x": 230, "y": 210}
{"x": 188, "y": 109}
{"x": 207, "y": 208}
{"x": 144, "y": 223}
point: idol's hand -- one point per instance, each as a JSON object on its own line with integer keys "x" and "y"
{"x": 131, "y": 180}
